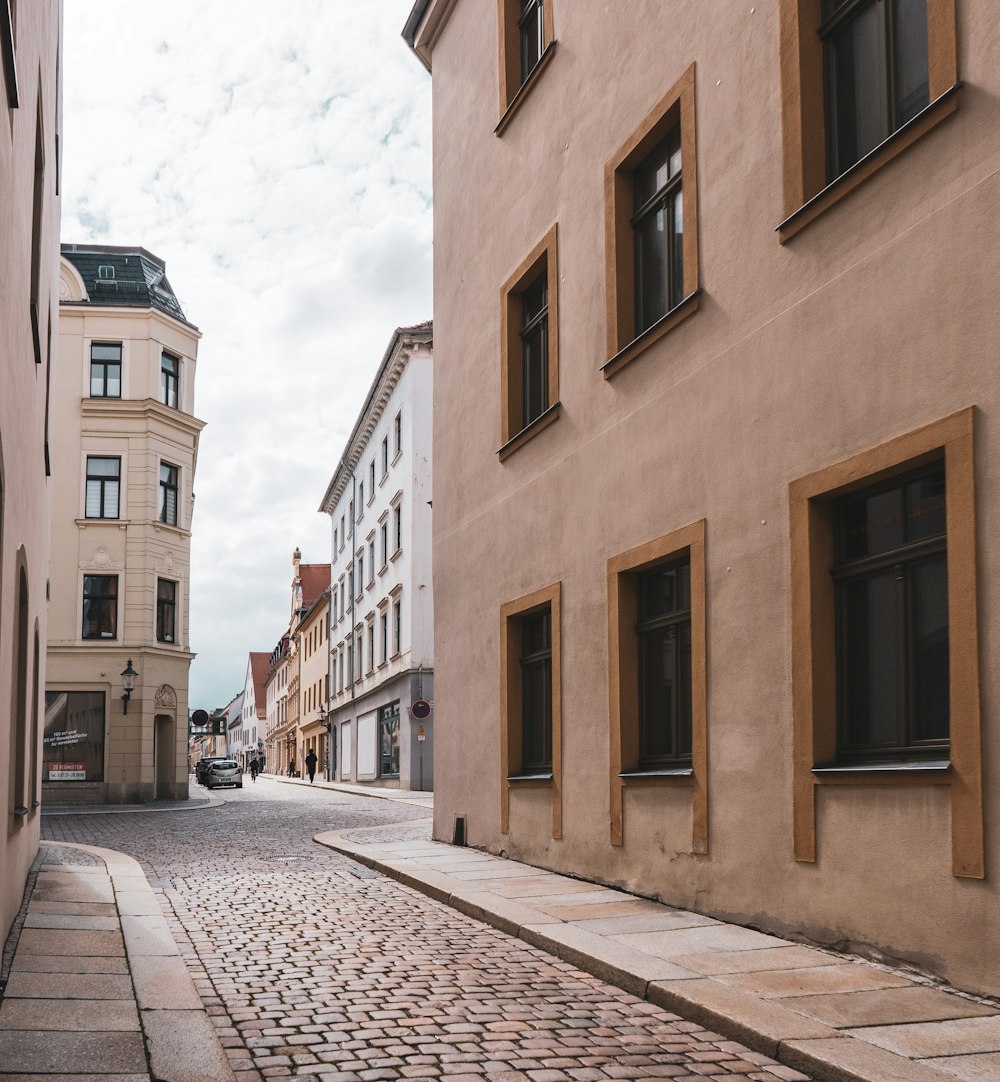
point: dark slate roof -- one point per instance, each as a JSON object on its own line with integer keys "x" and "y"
{"x": 137, "y": 278}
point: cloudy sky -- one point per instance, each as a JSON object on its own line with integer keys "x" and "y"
{"x": 276, "y": 154}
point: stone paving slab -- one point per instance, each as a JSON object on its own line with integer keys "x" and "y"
{"x": 73, "y": 1077}
{"x": 984, "y": 1067}
{"x": 923, "y": 1040}
{"x": 886, "y": 1006}
{"x": 823, "y": 980}
{"x": 73, "y": 1053}
{"x": 43, "y": 963}
{"x": 68, "y": 986}
{"x": 88, "y": 1015}
{"x": 62, "y": 943}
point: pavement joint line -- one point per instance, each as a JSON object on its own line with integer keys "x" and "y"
{"x": 829, "y": 1053}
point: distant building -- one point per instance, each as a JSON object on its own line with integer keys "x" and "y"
{"x": 124, "y": 451}
{"x": 276, "y": 719}
{"x": 248, "y": 726}
{"x": 717, "y": 475}
{"x": 29, "y": 243}
{"x": 381, "y": 650}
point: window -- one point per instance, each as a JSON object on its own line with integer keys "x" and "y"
{"x": 657, "y": 685}
{"x": 384, "y": 536}
{"x": 384, "y": 628}
{"x": 371, "y": 561}
{"x": 166, "y": 610}
{"x": 397, "y": 626}
{"x": 397, "y": 528}
{"x": 385, "y": 455}
{"x": 885, "y": 661}
{"x": 861, "y": 81}
{"x": 335, "y": 540}
{"x": 343, "y": 533}
{"x": 361, "y": 501}
{"x": 388, "y": 728}
{"x": 361, "y": 575}
{"x": 350, "y": 522}
{"x": 371, "y": 645}
{"x": 529, "y": 346}
{"x": 74, "y": 736}
{"x": 875, "y": 58}
{"x": 663, "y": 631}
{"x": 7, "y": 23}
{"x": 169, "y": 379}
{"x": 371, "y": 480}
{"x": 105, "y": 370}
{"x": 167, "y": 511}
{"x": 530, "y": 701}
{"x": 397, "y": 427}
{"x": 100, "y": 607}
{"x": 525, "y": 36}
{"x": 343, "y": 608}
{"x": 103, "y": 487}
{"x": 651, "y": 217}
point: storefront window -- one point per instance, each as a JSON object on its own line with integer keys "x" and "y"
{"x": 388, "y": 727}
{"x": 74, "y": 736}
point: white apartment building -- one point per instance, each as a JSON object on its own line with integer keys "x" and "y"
{"x": 249, "y": 727}
{"x": 381, "y": 645}
{"x": 276, "y": 711}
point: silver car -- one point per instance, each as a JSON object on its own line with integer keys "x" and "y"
{"x": 223, "y": 772}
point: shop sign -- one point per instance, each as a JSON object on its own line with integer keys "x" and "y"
{"x": 67, "y": 772}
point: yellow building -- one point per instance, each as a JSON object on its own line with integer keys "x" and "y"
{"x": 124, "y": 458}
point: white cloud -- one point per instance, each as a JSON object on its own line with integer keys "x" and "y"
{"x": 277, "y": 156}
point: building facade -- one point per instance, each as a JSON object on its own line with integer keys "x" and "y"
{"x": 312, "y": 647}
{"x": 381, "y": 650}
{"x": 249, "y": 727}
{"x": 276, "y": 721}
{"x": 124, "y": 453}
{"x": 713, "y": 591}
{"x": 29, "y": 244}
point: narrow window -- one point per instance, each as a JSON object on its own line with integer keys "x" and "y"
{"x": 385, "y": 455}
{"x": 361, "y": 501}
{"x": 384, "y": 627}
{"x": 371, "y": 646}
{"x": 371, "y": 561}
{"x": 891, "y": 577}
{"x": 105, "y": 370}
{"x": 371, "y": 480}
{"x": 7, "y": 53}
{"x": 398, "y": 433}
{"x": 531, "y": 28}
{"x": 100, "y": 607}
{"x": 166, "y": 610}
{"x": 877, "y": 76}
{"x": 397, "y": 527}
{"x": 534, "y": 350}
{"x": 397, "y": 626}
{"x": 388, "y": 724}
{"x": 103, "y": 487}
{"x": 536, "y": 692}
{"x": 664, "y": 657}
{"x": 658, "y": 232}
{"x": 169, "y": 380}
{"x": 384, "y": 536}
{"x": 168, "y": 494}
{"x": 361, "y": 574}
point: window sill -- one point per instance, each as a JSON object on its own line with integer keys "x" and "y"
{"x": 929, "y": 118}
{"x": 665, "y": 324}
{"x": 396, "y": 554}
{"x": 525, "y": 88}
{"x": 121, "y": 523}
{"x": 928, "y": 771}
{"x": 171, "y": 528}
{"x": 682, "y": 773}
{"x": 522, "y": 779}
{"x": 541, "y": 422}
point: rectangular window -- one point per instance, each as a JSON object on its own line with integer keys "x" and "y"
{"x": 100, "y": 607}
{"x": 371, "y": 646}
{"x": 335, "y": 539}
{"x": 361, "y": 501}
{"x": 167, "y": 510}
{"x": 170, "y": 368}
{"x": 105, "y": 370}
{"x": 885, "y": 640}
{"x": 388, "y": 728}
{"x": 384, "y": 537}
{"x": 385, "y": 455}
{"x": 525, "y": 37}
{"x": 529, "y": 345}
{"x": 361, "y": 575}
{"x": 536, "y": 692}
{"x": 657, "y": 674}
{"x": 891, "y": 577}
{"x": 531, "y": 31}
{"x": 877, "y": 79}
{"x": 384, "y": 628}
{"x": 74, "y": 736}
{"x": 343, "y": 607}
{"x": 350, "y": 521}
{"x": 371, "y": 480}
{"x": 397, "y": 427}
{"x": 651, "y": 223}
{"x": 7, "y": 54}
{"x": 371, "y": 561}
{"x": 397, "y": 626}
{"x": 166, "y": 610}
{"x": 343, "y": 533}
{"x": 103, "y": 487}
{"x": 397, "y": 528}
{"x": 664, "y": 649}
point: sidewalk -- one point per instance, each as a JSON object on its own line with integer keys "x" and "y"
{"x": 835, "y": 1017}
{"x": 403, "y": 796}
{"x": 96, "y": 985}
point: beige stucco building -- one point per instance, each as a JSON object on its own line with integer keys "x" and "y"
{"x": 29, "y": 240}
{"x": 714, "y": 587}
{"x": 124, "y": 453}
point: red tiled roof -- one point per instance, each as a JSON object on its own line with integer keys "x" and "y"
{"x": 259, "y": 663}
{"x": 315, "y": 579}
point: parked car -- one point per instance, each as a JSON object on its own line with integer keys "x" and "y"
{"x": 223, "y": 772}
{"x": 201, "y": 767}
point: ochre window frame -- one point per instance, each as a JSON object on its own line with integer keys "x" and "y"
{"x": 623, "y": 571}
{"x": 543, "y": 259}
{"x": 814, "y": 714}
{"x": 510, "y": 701}
{"x": 676, "y": 107}
{"x": 807, "y": 194}
{"x": 513, "y": 91}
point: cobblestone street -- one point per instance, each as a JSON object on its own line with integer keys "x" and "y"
{"x": 312, "y": 965}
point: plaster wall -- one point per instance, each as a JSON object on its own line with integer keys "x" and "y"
{"x": 877, "y": 319}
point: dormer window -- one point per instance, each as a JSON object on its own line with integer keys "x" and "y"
{"x": 105, "y": 272}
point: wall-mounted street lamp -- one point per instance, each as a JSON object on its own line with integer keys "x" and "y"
{"x": 128, "y": 683}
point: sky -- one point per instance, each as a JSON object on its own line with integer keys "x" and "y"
{"x": 276, "y": 155}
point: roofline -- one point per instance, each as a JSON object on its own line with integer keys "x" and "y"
{"x": 424, "y": 25}
{"x": 421, "y": 333}
{"x": 116, "y": 249}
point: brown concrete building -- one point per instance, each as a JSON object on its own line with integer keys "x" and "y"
{"x": 713, "y": 583}
{"x": 29, "y": 253}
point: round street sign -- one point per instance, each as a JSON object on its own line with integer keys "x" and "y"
{"x": 199, "y": 718}
{"x": 260, "y": 745}
{"x": 421, "y": 709}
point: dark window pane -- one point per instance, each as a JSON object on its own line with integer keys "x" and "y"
{"x": 662, "y": 164}
{"x": 870, "y": 661}
{"x": 537, "y": 718}
{"x": 925, "y": 504}
{"x": 857, "y": 70}
{"x": 74, "y": 736}
{"x": 100, "y": 606}
{"x": 912, "y": 84}
{"x": 102, "y": 352}
{"x": 872, "y": 524}
{"x": 658, "y": 227}
{"x": 665, "y": 590}
{"x": 657, "y": 694}
{"x": 532, "y": 32}
{"x": 929, "y": 603}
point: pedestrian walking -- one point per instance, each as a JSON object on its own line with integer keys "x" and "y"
{"x": 311, "y": 761}
{"x": 253, "y": 769}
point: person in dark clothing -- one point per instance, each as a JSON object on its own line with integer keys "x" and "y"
{"x": 311, "y": 761}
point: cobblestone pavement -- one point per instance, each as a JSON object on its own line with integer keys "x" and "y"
{"x": 311, "y": 965}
